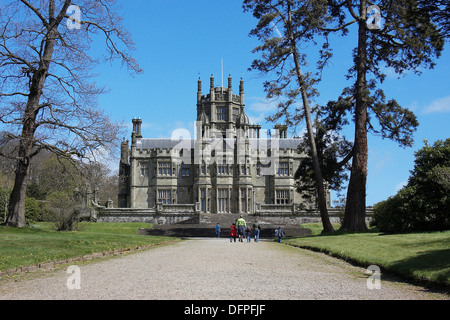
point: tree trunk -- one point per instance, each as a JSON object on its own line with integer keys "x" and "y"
{"x": 321, "y": 197}
{"x": 16, "y": 208}
{"x": 355, "y": 208}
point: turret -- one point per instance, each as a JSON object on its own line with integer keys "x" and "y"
{"x": 199, "y": 91}
{"x": 241, "y": 92}
{"x": 136, "y": 134}
{"x": 230, "y": 89}
{"x": 124, "y": 151}
{"x": 211, "y": 87}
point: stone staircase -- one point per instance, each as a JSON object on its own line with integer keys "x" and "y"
{"x": 207, "y": 224}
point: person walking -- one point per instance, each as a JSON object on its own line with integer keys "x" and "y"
{"x": 256, "y": 230}
{"x": 218, "y": 230}
{"x": 233, "y": 232}
{"x": 279, "y": 233}
{"x": 241, "y": 225}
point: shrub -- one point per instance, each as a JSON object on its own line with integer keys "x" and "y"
{"x": 393, "y": 215}
{"x": 35, "y": 210}
{"x": 64, "y": 209}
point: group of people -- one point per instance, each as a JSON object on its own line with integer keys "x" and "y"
{"x": 241, "y": 230}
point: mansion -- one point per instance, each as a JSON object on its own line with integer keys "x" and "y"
{"x": 230, "y": 166}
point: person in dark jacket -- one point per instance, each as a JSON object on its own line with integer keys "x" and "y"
{"x": 279, "y": 233}
{"x": 218, "y": 230}
{"x": 256, "y": 230}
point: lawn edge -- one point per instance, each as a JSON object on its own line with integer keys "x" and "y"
{"x": 52, "y": 264}
{"x": 440, "y": 287}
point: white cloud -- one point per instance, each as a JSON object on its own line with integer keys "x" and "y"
{"x": 438, "y": 106}
{"x": 413, "y": 106}
{"x": 260, "y": 108}
{"x": 262, "y": 105}
{"x": 399, "y": 186}
{"x": 260, "y": 118}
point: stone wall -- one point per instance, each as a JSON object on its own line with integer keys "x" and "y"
{"x": 162, "y": 214}
{"x": 189, "y": 214}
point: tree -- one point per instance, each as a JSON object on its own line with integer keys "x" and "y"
{"x": 439, "y": 11}
{"x": 334, "y": 151}
{"x": 407, "y": 39}
{"x": 283, "y": 27}
{"x": 47, "y": 92}
{"x": 424, "y": 203}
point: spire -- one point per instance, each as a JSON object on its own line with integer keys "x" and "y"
{"x": 202, "y": 117}
{"x": 241, "y": 92}
{"x": 211, "y": 88}
{"x": 230, "y": 88}
{"x": 211, "y": 82}
{"x": 199, "y": 91}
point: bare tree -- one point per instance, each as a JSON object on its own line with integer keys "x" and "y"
{"x": 47, "y": 92}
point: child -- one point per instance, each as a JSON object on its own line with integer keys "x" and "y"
{"x": 233, "y": 233}
{"x": 218, "y": 230}
{"x": 248, "y": 233}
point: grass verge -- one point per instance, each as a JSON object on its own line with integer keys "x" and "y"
{"x": 39, "y": 244}
{"x": 422, "y": 257}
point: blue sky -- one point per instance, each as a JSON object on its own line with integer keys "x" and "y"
{"x": 178, "y": 40}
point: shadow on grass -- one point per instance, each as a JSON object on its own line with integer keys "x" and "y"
{"x": 341, "y": 232}
{"x": 433, "y": 266}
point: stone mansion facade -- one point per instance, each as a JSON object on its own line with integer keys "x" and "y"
{"x": 230, "y": 166}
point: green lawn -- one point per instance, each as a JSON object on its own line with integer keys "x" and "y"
{"x": 421, "y": 256}
{"x": 40, "y": 244}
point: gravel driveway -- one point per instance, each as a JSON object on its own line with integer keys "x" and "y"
{"x": 211, "y": 269}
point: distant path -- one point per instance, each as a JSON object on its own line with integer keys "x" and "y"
{"x": 214, "y": 269}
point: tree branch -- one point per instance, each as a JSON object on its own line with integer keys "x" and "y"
{"x": 37, "y": 12}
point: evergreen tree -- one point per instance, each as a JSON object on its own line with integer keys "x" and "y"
{"x": 403, "y": 38}
{"x": 283, "y": 27}
{"x": 424, "y": 203}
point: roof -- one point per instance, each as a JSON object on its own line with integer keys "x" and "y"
{"x": 148, "y": 144}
